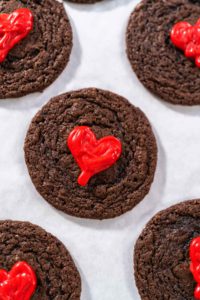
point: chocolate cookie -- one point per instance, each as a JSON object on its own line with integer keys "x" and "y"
{"x": 57, "y": 276}
{"x": 159, "y": 65}
{"x": 37, "y": 60}
{"x": 162, "y": 260}
{"x": 54, "y": 171}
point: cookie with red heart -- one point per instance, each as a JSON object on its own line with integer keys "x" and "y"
{"x": 35, "y": 265}
{"x": 163, "y": 46}
{"x": 91, "y": 154}
{"x": 35, "y": 45}
{"x": 167, "y": 254}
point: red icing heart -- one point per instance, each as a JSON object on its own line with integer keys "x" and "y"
{"x": 13, "y": 28}
{"x": 195, "y": 264}
{"x": 92, "y": 155}
{"x": 18, "y": 284}
{"x": 187, "y": 38}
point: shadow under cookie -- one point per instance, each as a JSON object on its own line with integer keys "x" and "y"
{"x": 84, "y": 1}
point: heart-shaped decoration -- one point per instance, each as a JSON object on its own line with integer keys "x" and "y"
{"x": 92, "y": 155}
{"x": 18, "y": 284}
{"x": 13, "y": 28}
{"x": 195, "y": 264}
{"x": 187, "y": 38}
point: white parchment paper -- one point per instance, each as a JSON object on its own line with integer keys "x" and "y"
{"x": 101, "y": 250}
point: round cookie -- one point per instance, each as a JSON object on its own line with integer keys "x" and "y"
{"x": 159, "y": 65}
{"x": 57, "y": 276}
{"x": 162, "y": 262}
{"x": 54, "y": 171}
{"x": 37, "y": 60}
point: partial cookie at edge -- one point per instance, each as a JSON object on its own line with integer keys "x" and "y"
{"x": 57, "y": 275}
{"x": 161, "y": 259}
{"x": 159, "y": 65}
{"x": 36, "y": 61}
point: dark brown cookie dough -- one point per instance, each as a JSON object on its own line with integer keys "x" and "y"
{"x": 57, "y": 276}
{"x": 159, "y": 65}
{"x": 54, "y": 171}
{"x": 37, "y": 60}
{"x": 162, "y": 253}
